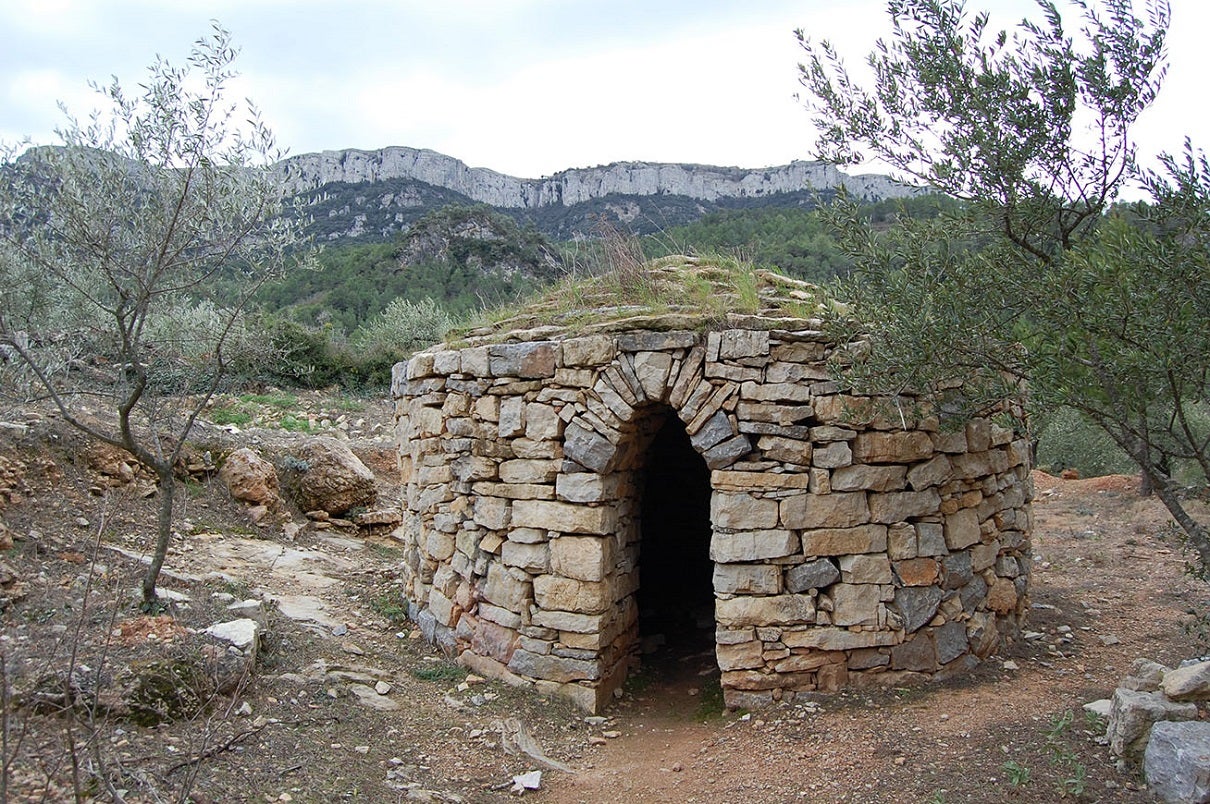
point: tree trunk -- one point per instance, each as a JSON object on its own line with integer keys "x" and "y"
{"x": 1198, "y": 534}
{"x": 166, "y": 485}
{"x": 1147, "y": 487}
{"x": 1158, "y": 479}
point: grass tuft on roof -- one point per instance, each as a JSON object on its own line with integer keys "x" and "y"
{"x": 669, "y": 293}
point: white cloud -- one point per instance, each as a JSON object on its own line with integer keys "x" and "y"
{"x": 521, "y": 86}
{"x": 30, "y": 99}
{"x": 58, "y": 17}
{"x": 1181, "y": 110}
{"x": 720, "y": 96}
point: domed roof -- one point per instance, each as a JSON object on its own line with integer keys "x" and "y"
{"x": 670, "y": 293}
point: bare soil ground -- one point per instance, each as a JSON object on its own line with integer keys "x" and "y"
{"x": 347, "y": 703}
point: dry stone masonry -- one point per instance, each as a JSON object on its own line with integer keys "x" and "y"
{"x": 842, "y": 538}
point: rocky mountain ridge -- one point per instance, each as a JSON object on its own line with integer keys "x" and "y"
{"x": 310, "y": 172}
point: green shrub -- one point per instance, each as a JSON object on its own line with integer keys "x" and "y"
{"x": 391, "y": 606}
{"x": 439, "y": 671}
{"x": 321, "y": 357}
{"x": 1067, "y": 440}
{"x": 295, "y": 424}
{"x": 402, "y": 328}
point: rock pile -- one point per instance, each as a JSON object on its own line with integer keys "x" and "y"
{"x": 1153, "y": 719}
{"x": 847, "y": 538}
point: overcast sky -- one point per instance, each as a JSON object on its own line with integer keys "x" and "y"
{"x": 525, "y": 87}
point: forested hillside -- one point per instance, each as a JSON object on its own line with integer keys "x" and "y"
{"x": 467, "y": 258}
{"x": 462, "y": 257}
{"x": 795, "y": 241}
{"x": 344, "y": 213}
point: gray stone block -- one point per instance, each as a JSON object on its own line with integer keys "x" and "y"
{"x": 917, "y": 604}
{"x": 1177, "y": 762}
{"x": 1132, "y": 715}
{"x": 812, "y": 575}
{"x": 951, "y": 641}
{"x": 919, "y": 655}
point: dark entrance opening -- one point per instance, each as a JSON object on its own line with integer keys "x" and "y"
{"x": 676, "y": 585}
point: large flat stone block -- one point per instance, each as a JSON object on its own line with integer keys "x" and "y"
{"x": 742, "y": 546}
{"x": 835, "y": 510}
{"x": 564, "y": 517}
{"x": 772, "y": 610}
{"x": 842, "y": 541}
{"x": 586, "y": 558}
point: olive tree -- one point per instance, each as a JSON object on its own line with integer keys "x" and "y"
{"x": 129, "y": 254}
{"x": 1039, "y": 277}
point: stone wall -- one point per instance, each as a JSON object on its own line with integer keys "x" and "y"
{"x": 850, "y": 537}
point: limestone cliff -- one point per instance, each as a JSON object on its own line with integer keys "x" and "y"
{"x": 309, "y": 172}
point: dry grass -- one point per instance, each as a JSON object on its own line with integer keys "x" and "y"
{"x": 675, "y": 292}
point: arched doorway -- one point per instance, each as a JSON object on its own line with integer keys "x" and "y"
{"x": 676, "y": 589}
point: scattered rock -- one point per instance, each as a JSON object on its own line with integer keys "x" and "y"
{"x": 250, "y": 478}
{"x": 368, "y": 696}
{"x": 527, "y": 781}
{"x": 171, "y": 595}
{"x": 257, "y": 514}
{"x": 385, "y": 516}
{"x": 252, "y": 609}
{"x": 11, "y": 588}
{"x": 334, "y": 480}
{"x": 1132, "y": 715}
{"x": 12, "y": 480}
{"x": 115, "y": 465}
{"x": 243, "y": 633}
{"x": 1145, "y": 676}
{"x": 514, "y": 737}
{"x": 1191, "y": 683}
{"x": 1100, "y": 707}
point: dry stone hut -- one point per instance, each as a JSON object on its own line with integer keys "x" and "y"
{"x": 575, "y": 488}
